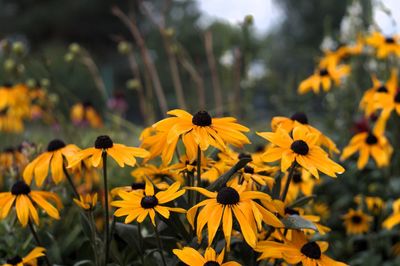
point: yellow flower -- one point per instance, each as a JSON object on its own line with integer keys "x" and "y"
{"x": 356, "y": 222}
{"x": 199, "y": 130}
{"x": 323, "y": 77}
{"x": 374, "y": 204}
{"x": 369, "y": 144}
{"x": 302, "y": 183}
{"x": 332, "y": 58}
{"x": 374, "y": 98}
{"x": 52, "y": 159}
{"x": 84, "y": 113}
{"x": 394, "y": 218}
{"x": 384, "y": 46}
{"x": 301, "y": 119}
{"x": 87, "y": 202}
{"x": 227, "y": 203}
{"x": 28, "y": 260}
{"x": 192, "y": 257}
{"x": 139, "y": 204}
{"x": 301, "y": 149}
{"x": 23, "y": 198}
{"x": 119, "y": 152}
{"x": 297, "y": 250}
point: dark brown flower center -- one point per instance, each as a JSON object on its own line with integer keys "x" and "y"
{"x": 371, "y": 139}
{"x": 9, "y": 150}
{"x": 382, "y": 89}
{"x": 228, "y": 196}
{"x": 300, "y": 147}
{"x": 297, "y": 178}
{"x": 323, "y": 72}
{"x": 356, "y": 219}
{"x": 389, "y": 40}
{"x": 300, "y": 117}
{"x": 202, "y": 119}
{"x": 103, "y": 142}
{"x": 20, "y": 188}
{"x": 291, "y": 211}
{"x": 55, "y": 144}
{"x": 138, "y": 185}
{"x": 311, "y": 250}
{"x": 149, "y": 202}
{"x": 248, "y": 169}
{"x": 15, "y": 260}
{"x": 211, "y": 263}
{"x": 397, "y": 97}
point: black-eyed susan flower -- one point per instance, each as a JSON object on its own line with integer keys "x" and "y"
{"x": 51, "y": 160}
{"x": 379, "y": 94}
{"x": 192, "y": 257}
{"x": 297, "y": 250}
{"x": 26, "y": 201}
{"x": 302, "y": 149}
{"x": 132, "y": 187}
{"x": 369, "y": 144}
{"x": 374, "y": 204}
{"x": 323, "y": 78}
{"x": 301, "y": 119}
{"x": 29, "y": 260}
{"x": 86, "y": 202}
{"x": 199, "y": 130}
{"x": 139, "y": 204}
{"x": 356, "y": 222}
{"x": 384, "y": 45}
{"x": 228, "y": 202}
{"x": 332, "y": 58}
{"x": 120, "y": 153}
{"x": 84, "y": 114}
{"x": 394, "y": 218}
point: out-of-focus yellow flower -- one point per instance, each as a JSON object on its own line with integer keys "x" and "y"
{"x": 85, "y": 114}
{"x": 190, "y": 256}
{"x": 394, "y": 218}
{"x": 87, "y": 202}
{"x": 385, "y": 46}
{"x": 374, "y": 204}
{"x": 28, "y": 260}
{"x": 356, "y": 222}
{"x": 323, "y": 77}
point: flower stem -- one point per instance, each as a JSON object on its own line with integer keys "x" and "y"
{"x": 94, "y": 235}
{"x": 141, "y": 250}
{"x": 160, "y": 248}
{"x": 289, "y": 179}
{"x": 107, "y": 216}
{"x": 71, "y": 182}
{"x": 198, "y": 173}
{"x": 36, "y": 237}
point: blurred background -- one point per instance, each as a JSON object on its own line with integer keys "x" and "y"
{"x": 137, "y": 59}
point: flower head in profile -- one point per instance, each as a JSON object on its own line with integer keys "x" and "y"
{"x": 120, "y": 153}
{"x": 384, "y": 45}
{"x": 297, "y": 250}
{"x": 139, "y": 204}
{"x": 86, "y": 202}
{"x": 323, "y": 78}
{"x": 28, "y": 260}
{"x": 198, "y": 130}
{"x": 332, "y": 58}
{"x": 52, "y": 161}
{"x": 192, "y": 257}
{"x": 302, "y": 149}
{"x": 368, "y": 144}
{"x": 221, "y": 207}
{"x": 356, "y": 222}
{"x": 26, "y": 202}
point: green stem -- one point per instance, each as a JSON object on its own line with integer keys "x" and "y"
{"x": 36, "y": 237}
{"x": 198, "y": 172}
{"x": 71, "y": 183}
{"x": 141, "y": 250}
{"x": 107, "y": 215}
{"x": 160, "y": 248}
{"x": 94, "y": 236}
{"x": 289, "y": 179}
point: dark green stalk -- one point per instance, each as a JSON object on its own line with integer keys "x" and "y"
{"x": 160, "y": 248}
{"x": 141, "y": 249}
{"x": 71, "y": 183}
{"x": 289, "y": 179}
{"x": 107, "y": 215}
{"x": 36, "y": 237}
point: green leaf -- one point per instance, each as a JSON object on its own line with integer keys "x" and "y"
{"x": 221, "y": 181}
{"x": 129, "y": 233}
{"x": 83, "y": 262}
{"x": 302, "y": 201}
{"x": 298, "y": 222}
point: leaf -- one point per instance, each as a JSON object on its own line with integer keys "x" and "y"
{"x": 298, "y": 222}
{"x": 83, "y": 262}
{"x": 221, "y": 181}
{"x": 129, "y": 233}
{"x": 302, "y": 201}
